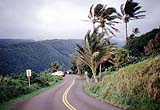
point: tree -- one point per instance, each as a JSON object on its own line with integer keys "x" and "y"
{"x": 54, "y": 66}
{"x": 105, "y": 17}
{"x": 94, "y": 50}
{"x": 120, "y": 56}
{"x": 135, "y": 31}
{"x": 130, "y": 11}
{"x": 75, "y": 60}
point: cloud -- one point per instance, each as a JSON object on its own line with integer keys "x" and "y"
{"x": 50, "y": 19}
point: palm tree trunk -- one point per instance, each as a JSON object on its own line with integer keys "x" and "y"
{"x": 100, "y": 70}
{"x": 78, "y": 70}
{"x": 126, "y": 32}
{"x": 94, "y": 76}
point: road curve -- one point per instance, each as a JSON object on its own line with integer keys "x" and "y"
{"x": 68, "y": 95}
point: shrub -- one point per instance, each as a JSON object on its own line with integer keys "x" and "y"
{"x": 17, "y": 85}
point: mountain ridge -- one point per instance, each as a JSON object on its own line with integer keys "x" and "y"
{"x": 36, "y": 55}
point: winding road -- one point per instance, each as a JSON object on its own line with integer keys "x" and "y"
{"x": 68, "y": 95}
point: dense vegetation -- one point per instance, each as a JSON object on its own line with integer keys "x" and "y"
{"x": 136, "y": 45}
{"x": 135, "y": 87}
{"x": 17, "y": 85}
{"x": 16, "y": 57}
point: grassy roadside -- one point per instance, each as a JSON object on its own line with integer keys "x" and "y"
{"x": 7, "y": 105}
{"x": 87, "y": 89}
{"x": 135, "y": 87}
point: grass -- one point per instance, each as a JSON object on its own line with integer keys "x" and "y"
{"x": 135, "y": 87}
{"x": 7, "y": 105}
{"x": 87, "y": 88}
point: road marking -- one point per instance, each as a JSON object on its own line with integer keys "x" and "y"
{"x": 65, "y": 100}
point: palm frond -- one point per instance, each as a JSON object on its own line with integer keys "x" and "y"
{"x": 139, "y": 16}
{"x": 117, "y": 30}
{"x": 98, "y": 10}
{"x": 103, "y": 8}
{"x": 139, "y": 12}
{"x": 127, "y": 5}
{"x": 136, "y": 9}
{"x": 108, "y": 12}
{"x": 131, "y": 9}
{"x": 90, "y": 12}
{"x": 110, "y": 31}
{"x": 122, "y": 10}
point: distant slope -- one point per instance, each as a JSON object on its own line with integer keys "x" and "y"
{"x": 18, "y": 57}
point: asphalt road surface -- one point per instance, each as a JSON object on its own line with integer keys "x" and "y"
{"x": 69, "y": 95}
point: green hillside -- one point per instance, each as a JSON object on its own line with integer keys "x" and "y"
{"x": 136, "y": 44}
{"x": 135, "y": 87}
{"x": 17, "y": 57}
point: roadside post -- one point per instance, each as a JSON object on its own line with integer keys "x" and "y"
{"x": 87, "y": 78}
{"x": 28, "y": 71}
{"x": 100, "y": 71}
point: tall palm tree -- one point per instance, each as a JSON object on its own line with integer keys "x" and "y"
{"x": 130, "y": 11}
{"x": 105, "y": 17}
{"x": 96, "y": 49}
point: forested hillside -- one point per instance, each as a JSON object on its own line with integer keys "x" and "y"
{"x": 145, "y": 43}
{"x": 17, "y": 57}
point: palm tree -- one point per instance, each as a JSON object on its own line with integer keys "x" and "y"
{"x": 77, "y": 62}
{"x": 130, "y": 11}
{"x": 120, "y": 56}
{"x": 54, "y": 66}
{"x": 96, "y": 49}
{"x": 105, "y": 17}
{"x": 135, "y": 31}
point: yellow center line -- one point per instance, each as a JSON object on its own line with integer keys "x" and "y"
{"x": 65, "y": 100}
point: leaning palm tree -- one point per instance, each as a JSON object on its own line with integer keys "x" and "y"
{"x": 96, "y": 49}
{"x": 130, "y": 11}
{"x": 105, "y": 17}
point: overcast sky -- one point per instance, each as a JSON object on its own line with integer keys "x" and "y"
{"x": 61, "y": 19}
